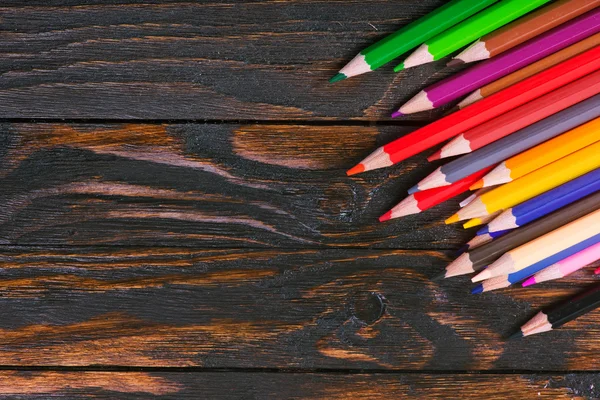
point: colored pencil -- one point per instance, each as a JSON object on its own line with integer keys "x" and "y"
{"x": 479, "y": 221}
{"x": 469, "y": 30}
{"x": 528, "y": 186}
{"x": 543, "y": 154}
{"x": 581, "y": 304}
{"x": 419, "y": 202}
{"x": 545, "y": 203}
{"x": 530, "y": 70}
{"x": 516, "y": 143}
{"x": 526, "y": 115}
{"x": 567, "y": 266}
{"x": 543, "y": 247}
{"x": 503, "y": 281}
{"x": 523, "y": 29}
{"x": 488, "y": 71}
{"x": 597, "y": 271}
{"x": 411, "y": 36}
{"x": 491, "y": 107}
{"x": 478, "y": 258}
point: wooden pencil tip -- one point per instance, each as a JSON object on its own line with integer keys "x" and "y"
{"x": 399, "y": 67}
{"x": 439, "y": 277}
{"x": 482, "y": 276}
{"x": 357, "y": 169}
{"x": 435, "y": 156}
{"x": 337, "y": 77}
{"x": 477, "y": 185}
{"x": 454, "y": 62}
{"x": 414, "y": 189}
{"x": 397, "y": 114}
{"x": 452, "y": 219}
{"x": 483, "y": 231}
{"x": 386, "y": 217}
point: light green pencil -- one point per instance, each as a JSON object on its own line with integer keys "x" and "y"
{"x": 411, "y": 36}
{"x": 469, "y": 30}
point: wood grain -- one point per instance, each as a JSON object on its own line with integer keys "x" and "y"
{"x": 215, "y": 185}
{"x": 222, "y": 385}
{"x": 283, "y": 309}
{"x": 239, "y": 60}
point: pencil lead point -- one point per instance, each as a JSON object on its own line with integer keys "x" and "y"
{"x": 399, "y": 67}
{"x": 477, "y": 185}
{"x": 530, "y": 281}
{"x": 471, "y": 223}
{"x": 483, "y": 231}
{"x": 357, "y": 169}
{"x": 454, "y": 62}
{"x": 413, "y": 189}
{"x": 452, "y": 219}
{"x": 337, "y": 77}
{"x": 397, "y": 114}
{"x": 516, "y": 335}
{"x": 477, "y": 289}
{"x": 386, "y": 217}
{"x": 462, "y": 250}
{"x": 439, "y": 277}
{"x": 435, "y": 156}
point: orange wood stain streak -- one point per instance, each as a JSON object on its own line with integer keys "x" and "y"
{"x": 60, "y": 383}
{"x": 301, "y": 146}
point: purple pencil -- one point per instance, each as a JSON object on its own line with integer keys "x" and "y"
{"x": 475, "y": 77}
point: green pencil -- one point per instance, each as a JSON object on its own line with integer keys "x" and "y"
{"x": 411, "y": 36}
{"x": 470, "y": 30}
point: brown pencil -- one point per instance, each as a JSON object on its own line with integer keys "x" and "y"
{"x": 530, "y": 70}
{"x": 523, "y": 29}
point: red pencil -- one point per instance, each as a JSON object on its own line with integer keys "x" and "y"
{"x": 480, "y": 112}
{"x": 523, "y": 116}
{"x": 421, "y": 201}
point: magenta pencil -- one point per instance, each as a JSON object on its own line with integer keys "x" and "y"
{"x": 567, "y": 266}
{"x": 475, "y": 77}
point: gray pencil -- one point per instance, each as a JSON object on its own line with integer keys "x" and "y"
{"x": 510, "y": 145}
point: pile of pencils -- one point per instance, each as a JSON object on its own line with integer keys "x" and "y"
{"x": 527, "y": 131}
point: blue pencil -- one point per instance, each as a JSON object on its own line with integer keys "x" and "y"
{"x": 545, "y": 203}
{"x": 507, "y": 280}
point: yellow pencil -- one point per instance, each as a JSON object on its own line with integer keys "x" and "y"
{"x": 532, "y": 184}
{"x": 542, "y": 155}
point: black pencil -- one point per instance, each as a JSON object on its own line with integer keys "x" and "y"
{"x": 573, "y": 308}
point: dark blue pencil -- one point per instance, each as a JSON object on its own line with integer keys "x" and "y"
{"x": 507, "y": 280}
{"x": 545, "y": 203}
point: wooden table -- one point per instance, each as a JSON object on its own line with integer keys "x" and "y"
{"x": 176, "y": 222}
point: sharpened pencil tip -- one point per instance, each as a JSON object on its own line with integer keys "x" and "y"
{"x": 357, "y": 169}
{"x": 452, "y": 219}
{"x": 516, "y": 335}
{"x": 435, "y": 156}
{"x": 386, "y": 217}
{"x": 477, "y": 289}
{"x": 483, "y": 231}
{"x": 397, "y": 114}
{"x": 414, "y": 189}
{"x": 399, "y": 67}
{"x": 530, "y": 281}
{"x": 477, "y": 185}
{"x": 439, "y": 277}
{"x": 337, "y": 77}
{"x": 454, "y": 62}
{"x": 471, "y": 223}
{"x": 463, "y": 249}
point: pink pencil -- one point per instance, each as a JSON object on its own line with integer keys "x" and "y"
{"x": 567, "y": 266}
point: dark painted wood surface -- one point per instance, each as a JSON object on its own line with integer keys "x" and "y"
{"x": 175, "y": 219}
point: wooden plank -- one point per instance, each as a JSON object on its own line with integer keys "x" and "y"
{"x": 238, "y": 60}
{"x": 283, "y": 309}
{"x": 222, "y": 385}
{"x": 215, "y": 185}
